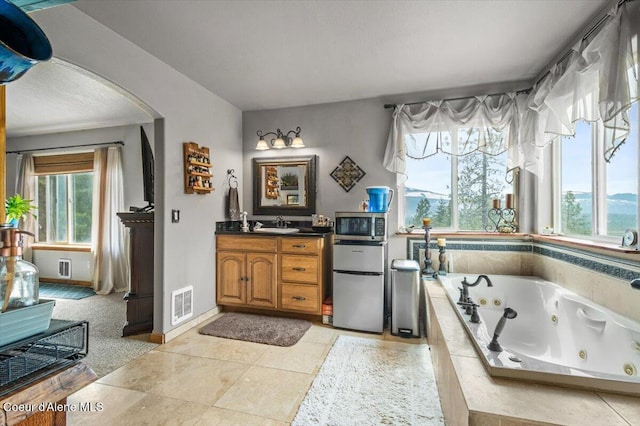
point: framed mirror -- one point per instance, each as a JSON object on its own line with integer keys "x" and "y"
{"x": 284, "y": 186}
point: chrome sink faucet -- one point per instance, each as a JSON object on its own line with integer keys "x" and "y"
{"x": 245, "y": 224}
{"x": 281, "y": 223}
{"x": 464, "y": 296}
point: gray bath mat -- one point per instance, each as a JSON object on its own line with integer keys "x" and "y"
{"x": 257, "y": 328}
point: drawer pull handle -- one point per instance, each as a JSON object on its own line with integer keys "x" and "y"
{"x": 299, "y": 246}
{"x": 299, "y": 269}
{"x": 298, "y": 298}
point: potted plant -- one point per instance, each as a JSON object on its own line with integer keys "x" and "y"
{"x": 17, "y": 208}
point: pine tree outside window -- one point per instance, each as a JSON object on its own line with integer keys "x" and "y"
{"x": 477, "y": 178}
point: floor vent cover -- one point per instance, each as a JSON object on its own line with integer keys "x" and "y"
{"x": 181, "y": 304}
{"x": 64, "y": 268}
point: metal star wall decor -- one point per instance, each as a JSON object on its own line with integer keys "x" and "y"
{"x": 347, "y": 173}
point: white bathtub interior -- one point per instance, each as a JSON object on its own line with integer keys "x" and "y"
{"x": 558, "y": 337}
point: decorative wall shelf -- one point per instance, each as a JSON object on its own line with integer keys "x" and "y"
{"x": 197, "y": 169}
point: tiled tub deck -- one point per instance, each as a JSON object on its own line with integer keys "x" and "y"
{"x": 469, "y": 396}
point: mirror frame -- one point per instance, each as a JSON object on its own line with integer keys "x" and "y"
{"x": 311, "y": 161}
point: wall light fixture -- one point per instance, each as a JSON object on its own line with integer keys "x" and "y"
{"x": 281, "y": 140}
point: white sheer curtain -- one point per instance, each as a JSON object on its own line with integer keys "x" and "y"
{"x": 486, "y": 123}
{"x": 26, "y": 187}
{"x": 599, "y": 82}
{"x": 110, "y": 263}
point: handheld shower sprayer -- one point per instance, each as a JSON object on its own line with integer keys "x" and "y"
{"x": 508, "y": 314}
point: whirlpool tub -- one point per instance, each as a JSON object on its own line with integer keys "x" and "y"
{"x": 557, "y": 337}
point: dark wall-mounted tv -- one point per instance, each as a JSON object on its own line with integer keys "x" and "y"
{"x": 147, "y": 173}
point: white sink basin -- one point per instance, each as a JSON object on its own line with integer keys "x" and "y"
{"x": 278, "y": 230}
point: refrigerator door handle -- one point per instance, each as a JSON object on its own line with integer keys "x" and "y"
{"x": 375, "y": 274}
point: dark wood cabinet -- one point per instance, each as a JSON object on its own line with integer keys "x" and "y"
{"x": 139, "y": 298}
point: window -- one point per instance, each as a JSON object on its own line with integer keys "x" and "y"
{"x": 598, "y": 199}
{"x": 477, "y": 178}
{"x": 64, "y": 198}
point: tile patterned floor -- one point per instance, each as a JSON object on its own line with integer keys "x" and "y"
{"x": 206, "y": 380}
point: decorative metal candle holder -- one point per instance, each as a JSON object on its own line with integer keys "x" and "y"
{"x": 427, "y": 271}
{"x": 442, "y": 269}
{"x": 502, "y": 220}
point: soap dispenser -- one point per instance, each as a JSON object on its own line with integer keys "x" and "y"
{"x": 19, "y": 282}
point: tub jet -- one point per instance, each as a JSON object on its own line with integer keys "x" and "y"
{"x": 508, "y": 314}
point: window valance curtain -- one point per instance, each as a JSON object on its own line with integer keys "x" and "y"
{"x": 485, "y": 123}
{"x": 598, "y": 81}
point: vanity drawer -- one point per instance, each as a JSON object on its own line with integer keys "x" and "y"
{"x": 297, "y": 245}
{"x": 232, "y": 242}
{"x": 300, "y": 297}
{"x": 300, "y": 268}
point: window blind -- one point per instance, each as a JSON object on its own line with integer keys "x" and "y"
{"x": 63, "y": 163}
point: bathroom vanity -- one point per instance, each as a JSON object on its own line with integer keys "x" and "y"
{"x": 271, "y": 271}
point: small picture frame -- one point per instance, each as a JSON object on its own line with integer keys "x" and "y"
{"x": 293, "y": 200}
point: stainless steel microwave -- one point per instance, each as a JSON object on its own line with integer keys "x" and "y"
{"x": 360, "y": 226}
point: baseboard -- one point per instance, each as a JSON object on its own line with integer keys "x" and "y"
{"x": 70, "y": 282}
{"x": 172, "y": 334}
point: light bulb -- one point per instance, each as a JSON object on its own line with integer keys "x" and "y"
{"x": 297, "y": 142}
{"x": 262, "y": 145}
{"x": 279, "y": 144}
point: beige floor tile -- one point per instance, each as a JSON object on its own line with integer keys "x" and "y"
{"x": 323, "y": 334}
{"x": 266, "y": 392}
{"x": 146, "y": 371}
{"x": 303, "y": 357}
{"x": 194, "y": 343}
{"x": 203, "y": 381}
{"x": 344, "y": 332}
{"x": 160, "y": 410}
{"x": 106, "y": 402}
{"x": 220, "y": 417}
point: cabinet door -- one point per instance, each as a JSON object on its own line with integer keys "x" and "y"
{"x": 231, "y": 278}
{"x": 262, "y": 279}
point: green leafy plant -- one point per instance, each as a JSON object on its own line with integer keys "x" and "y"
{"x": 16, "y": 207}
{"x": 289, "y": 180}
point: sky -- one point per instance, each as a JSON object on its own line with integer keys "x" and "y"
{"x": 622, "y": 171}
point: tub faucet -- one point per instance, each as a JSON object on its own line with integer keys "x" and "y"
{"x": 635, "y": 283}
{"x": 464, "y": 297}
{"x": 508, "y": 314}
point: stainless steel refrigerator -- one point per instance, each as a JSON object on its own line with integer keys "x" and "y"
{"x": 359, "y": 285}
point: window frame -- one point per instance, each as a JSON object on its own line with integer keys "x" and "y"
{"x": 599, "y": 206}
{"x": 63, "y": 164}
{"x": 455, "y": 219}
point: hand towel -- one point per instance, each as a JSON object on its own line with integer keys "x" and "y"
{"x": 233, "y": 205}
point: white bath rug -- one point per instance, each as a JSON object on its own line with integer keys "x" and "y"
{"x": 373, "y": 382}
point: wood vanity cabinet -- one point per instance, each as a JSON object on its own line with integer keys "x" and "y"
{"x": 283, "y": 273}
{"x": 301, "y": 274}
{"x": 246, "y": 271}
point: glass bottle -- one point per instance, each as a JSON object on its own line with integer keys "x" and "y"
{"x": 18, "y": 277}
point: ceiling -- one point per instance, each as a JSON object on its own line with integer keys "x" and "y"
{"x": 272, "y": 54}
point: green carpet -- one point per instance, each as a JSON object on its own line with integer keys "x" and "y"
{"x": 64, "y": 291}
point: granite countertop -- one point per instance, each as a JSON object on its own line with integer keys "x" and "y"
{"x": 234, "y": 228}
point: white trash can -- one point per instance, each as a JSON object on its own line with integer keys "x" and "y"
{"x": 405, "y": 298}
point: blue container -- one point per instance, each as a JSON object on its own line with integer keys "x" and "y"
{"x": 380, "y": 198}
{"x": 22, "y": 42}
